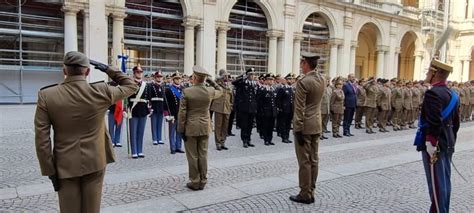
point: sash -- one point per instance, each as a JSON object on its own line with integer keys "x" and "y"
{"x": 139, "y": 95}
{"x": 420, "y": 137}
{"x": 175, "y": 91}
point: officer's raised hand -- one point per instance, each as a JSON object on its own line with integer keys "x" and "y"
{"x": 100, "y": 66}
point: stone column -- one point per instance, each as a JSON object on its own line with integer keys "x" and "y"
{"x": 333, "y": 59}
{"x": 199, "y": 43}
{"x": 70, "y": 28}
{"x": 353, "y": 56}
{"x": 85, "y": 33}
{"x": 465, "y": 70}
{"x": 279, "y": 64}
{"x": 418, "y": 70}
{"x": 188, "y": 46}
{"x": 117, "y": 38}
{"x": 396, "y": 62}
{"x": 272, "y": 52}
{"x": 340, "y": 66}
{"x": 297, "y": 38}
{"x": 222, "y": 29}
{"x": 380, "y": 62}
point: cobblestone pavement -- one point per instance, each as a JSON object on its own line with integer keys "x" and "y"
{"x": 394, "y": 186}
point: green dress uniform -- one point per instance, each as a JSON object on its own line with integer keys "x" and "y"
{"x": 337, "y": 110}
{"x": 360, "y": 106}
{"x": 370, "y": 105}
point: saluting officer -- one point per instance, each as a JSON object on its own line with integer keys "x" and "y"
{"x": 194, "y": 124}
{"x": 440, "y": 135}
{"x": 307, "y": 126}
{"x": 156, "y": 91}
{"x": 370, "y": 104}
{"x": 397, "y": 104}
{"x": 267, "y": 103}
{"x": 173, "y": 97}
{"x": 138, "y": 111}
{"x": 325, "y": 109}
{"x": 360, "y": 104}
{"x": 76, "y": 157}
{"x": 284, "y": 102}
{"x": 337, "y": 108}
{"x": 247, "y": 104}
{"x": 385, "y": 105}
{"x": 222, "y": 108}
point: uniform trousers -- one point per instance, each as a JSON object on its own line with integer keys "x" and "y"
{"x": 221, "y": 121}
{"x": 285, "y": 124}
{"x": 114, "y": 129}
{"x": 267, "y": 128}
{"x": 137, "y": 130}
{"x": 407, "y": 116}
{"x": 175, "y": 138}
{"x": 358, "y": 114}
{"x": 369, "y": 117}
{"x": 348, "y": 117}
{"x": 81, "y": 194}
{"x": 397, "y": 117}
{"x": 442, "y": 180}
{"x": 157, "y": 126}
{"x": 196, "y": 153}
{"x": 324, "y": 121}
{"x": 336, "y": 121}
{"x": 246, "y": 125}
{"x": 464, "y": 112}
{"x": 308, "y": 159}
{"x": 383, "y": 118}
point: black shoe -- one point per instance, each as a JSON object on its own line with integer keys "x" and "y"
{"x": 251, "y": 145}
{"x": 284, "y": 141}
{"x": 173, "y": 152}
{"x": 334, "y": 136}
{"x": 327, "y": 131}
{"x": 271, "y": 143}
{"x": 339, "y": 136}
{"x": 219, "y": 148}
{"x": 324, "y": 137}
{"x": 266, "y": 143}
{"x": 350, "y": 134}
{"x": 368, "y": 131}
{"x": 246, "y": 145}
{"x": 190, "y": 186}
{"x": 179, "y": 151}
{"x": 298, "y": 199}
{"x": 224, "y": 147}
{"x": 346, "y": 134}
{"x": 231, "y": 134}
{"x": 288, "y": 141}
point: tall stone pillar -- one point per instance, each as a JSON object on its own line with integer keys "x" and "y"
{"x": 297, "y": 38}
{"x": 465, "y": 70}
{"x": 272, "y": 51}
{"x": 396, "y": 58}
{"x": 280, "y": 59}
{"x": 341, "y": 66}
{"x": 380, "y": 62}
{"x": 97, "y": 38}
{"x": 353, "y": 57}
{"x": 189, "y": 46}
{"x": 418, "y": 70}
{"x": 222, "y": 29}
{"x": 70, "y": 28}
{"x": 334, "y": 55}
{"x": 85, "y": 33}
{"x": 117, "y": 38}
{"x": 199, "y": 44}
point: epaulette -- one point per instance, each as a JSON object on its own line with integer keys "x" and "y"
{"x": 52, "y": 85}
{"x": 97, "y": 82}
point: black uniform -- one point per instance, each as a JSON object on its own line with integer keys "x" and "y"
{"x": 141, "y": 109}
{"x": 156, "y": 96}
{"x": 284, "y": 102}
{"x": 267, "y": 105}
{"x": 246, "y": 107}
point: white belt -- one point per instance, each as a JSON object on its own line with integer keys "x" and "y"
{"x": 157, "y": 99}
{"x": 138, "y": 100}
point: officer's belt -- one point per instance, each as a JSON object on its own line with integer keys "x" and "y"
{"x": 138, "y": 100}
{"x": 156, "y": 99}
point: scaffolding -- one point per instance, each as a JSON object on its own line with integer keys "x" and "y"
{"x": 316, "y": 39}
{"x": 434, "y": 19}
{"x": 31, "y": 42}
{"x": 247, "y": 40}
{"x": 154, "y": 35}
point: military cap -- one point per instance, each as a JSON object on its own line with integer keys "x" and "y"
{"x": 394, "y": 79}
{"x": 442, "y": 66}
{"x": 269, "y": 77}
{"x": 158, "y": 74}
{"x": 200, "y": 71}
{"x": 176, "y": 75}
{"x": 309, "y": 56}
{"x": 290, "y": 76}
{"x": 74, "y": 58}
{"x": 250, "y": 71}
{"x": 137, "y": 68}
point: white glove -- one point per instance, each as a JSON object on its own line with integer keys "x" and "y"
{"x": 431, "y": 149}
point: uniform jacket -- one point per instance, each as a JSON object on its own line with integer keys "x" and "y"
{"x": 463, "y": 93}
{"x": 285, "y": 95}
{"x": 360, "y": 96}
{"x": 416, "y": 97}
{"x": 194, "y": 116}
{"x": 350, "y": 95}
{"x": 337, "y": 101}
{"x": 266, "y": 101}
{"x": 308, "y": 94}
{"x": 247, "y": 90}
{"x": 156, "y": 96}
{"x": 372, "y": 91}
{"x": 408, "y": 99}
{"x": 172, "y": 100}
{"x": 224, "y": 103}
{"x": 385, "y": 98}
{"x": 436, "y": 99}
{"x": 75, "y": 110}
{"x": 398, "y": 95}
{"x": 141, "y": 108}
{"x": 325, "y": 101}
{"x": 471, "y": 98}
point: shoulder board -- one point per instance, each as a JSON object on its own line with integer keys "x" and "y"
{"x": 52, "y": 85}
{"x": 97, "y": 82}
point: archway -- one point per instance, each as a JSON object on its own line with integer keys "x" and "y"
{"x": 247, "y": 43}
{"x": 366, "y": 56}
{"x": 406, "y": 61}
{"x": 316, "y": 39}
{"x": 154, "y": 35}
